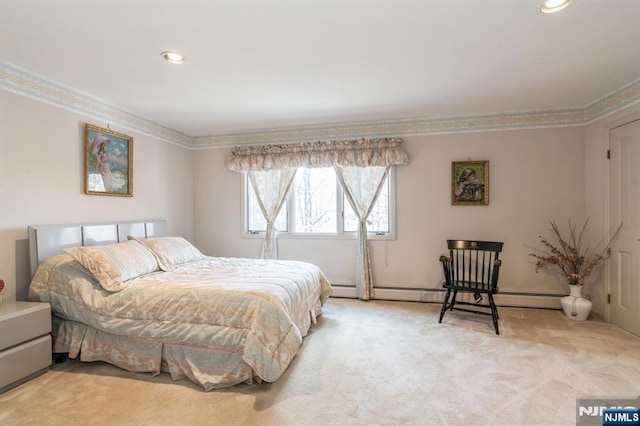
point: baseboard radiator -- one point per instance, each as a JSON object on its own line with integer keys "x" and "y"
{"x": 506, "y": 298}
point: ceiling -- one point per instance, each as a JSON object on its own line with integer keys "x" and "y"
{"x": 271, "y": 64}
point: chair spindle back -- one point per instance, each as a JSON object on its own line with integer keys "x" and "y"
{"x": 473, "y": 263}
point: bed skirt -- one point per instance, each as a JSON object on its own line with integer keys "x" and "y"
{"x": 211, "y": 368}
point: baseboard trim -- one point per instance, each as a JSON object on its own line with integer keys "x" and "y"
{"x": 514, "y": 299}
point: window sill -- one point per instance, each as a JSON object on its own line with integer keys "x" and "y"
{"x": 318, "y": 236}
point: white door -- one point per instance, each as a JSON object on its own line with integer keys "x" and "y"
{"x": 624, "y": 278}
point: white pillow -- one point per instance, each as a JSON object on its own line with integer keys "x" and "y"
{"x": 114, "y": 264}
{"x": 171, "y": 251}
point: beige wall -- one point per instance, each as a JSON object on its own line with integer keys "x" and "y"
{"x": 42, "y": 180}
{"x": 535, "y": 175}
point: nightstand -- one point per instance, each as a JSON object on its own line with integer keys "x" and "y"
{"x": 25, "y": 342}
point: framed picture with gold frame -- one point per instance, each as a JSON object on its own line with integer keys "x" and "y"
{"x": 108, "y": 162}
{"x": 470, "y": 183}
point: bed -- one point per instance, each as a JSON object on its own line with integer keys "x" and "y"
{"x": 130, "y": 295}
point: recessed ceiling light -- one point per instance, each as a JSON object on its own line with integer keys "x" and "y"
{"x": 174, "y": 57}
{"x": 553, "y": 6}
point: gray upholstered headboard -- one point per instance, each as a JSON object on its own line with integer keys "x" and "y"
{"x": 48, "y": 240}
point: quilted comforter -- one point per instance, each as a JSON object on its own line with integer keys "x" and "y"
{"x": 258, "y": 310}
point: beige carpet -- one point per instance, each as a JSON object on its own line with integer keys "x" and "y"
{"x": 369, "y": 363}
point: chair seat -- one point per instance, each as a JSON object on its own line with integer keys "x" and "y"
{"x": 472, "y": 267}
{"x": 474, "y": 286}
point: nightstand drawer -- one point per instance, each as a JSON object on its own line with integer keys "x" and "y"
{"x": 23, "y": 360}
{"x": 23, "y": 321}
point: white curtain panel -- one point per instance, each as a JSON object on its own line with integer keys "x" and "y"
{"x": 362, "y": 186}
{"x": 271, "y": 189}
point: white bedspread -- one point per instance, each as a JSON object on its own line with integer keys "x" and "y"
{"x": 258, "y": 309}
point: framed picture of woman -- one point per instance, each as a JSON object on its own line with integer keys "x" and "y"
{"x": 108, "y": 162}
{"x": 470, "y": 183}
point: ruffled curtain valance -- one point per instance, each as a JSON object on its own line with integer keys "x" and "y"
{"x": 363, "y": 152}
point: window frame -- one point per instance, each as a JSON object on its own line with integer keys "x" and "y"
{"x": 340, "y": 234}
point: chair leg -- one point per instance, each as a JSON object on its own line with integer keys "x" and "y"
{"x": 453, "y": 301}
{"x": 444, "y": 304}
{"x": 494, "y": 312}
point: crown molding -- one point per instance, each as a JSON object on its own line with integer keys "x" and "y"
{"x": 613, "y": 102}
{"x": 399, "y": 128}
{"x": 20, "y": 81}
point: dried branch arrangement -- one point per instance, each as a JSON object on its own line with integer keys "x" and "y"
{"x": 575, "y": 260}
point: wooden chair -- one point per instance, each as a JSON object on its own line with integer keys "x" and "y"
{"x": 472, "y": 267}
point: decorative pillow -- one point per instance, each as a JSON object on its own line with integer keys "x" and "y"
{"x": 171, "y": 251}
{"x": 114, "y": 264}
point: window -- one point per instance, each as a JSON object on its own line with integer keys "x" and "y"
{"x": 314, "y": 201}
{"x": 316, "y": 205}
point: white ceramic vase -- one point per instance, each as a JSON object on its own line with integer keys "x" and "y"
{"x": 575, "y": 307}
